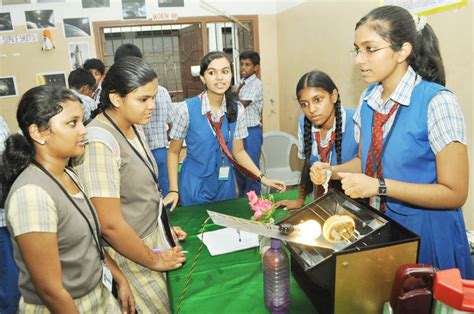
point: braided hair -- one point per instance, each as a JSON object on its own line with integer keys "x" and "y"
{"x": 321, "y": 80}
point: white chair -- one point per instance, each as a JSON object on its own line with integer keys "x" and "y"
{"x": 276, "y": 150}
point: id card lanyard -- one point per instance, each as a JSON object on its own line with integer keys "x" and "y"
{"x": 151, "y": 170}
{"x": 96, "y": 234}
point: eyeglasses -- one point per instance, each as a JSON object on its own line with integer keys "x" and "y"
{"x": 366, "y": 52}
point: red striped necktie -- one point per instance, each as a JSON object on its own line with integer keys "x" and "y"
{"x": 377, "y": 142}
{"x": 240, "y": 87}
{"x": 323, "y": 156}
{"x": 217, "y": 127}
{"x": 376, "y": 145}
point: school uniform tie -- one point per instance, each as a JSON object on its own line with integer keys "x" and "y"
{"x": 216, "y": 126}
{"x": 376, "y": 145}
{"x": 240, "y": 87}
{"x": 323, "y": 156}
{"x": 375, "y": 150}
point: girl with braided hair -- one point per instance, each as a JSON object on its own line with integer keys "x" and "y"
{"x": 325, "y": 131}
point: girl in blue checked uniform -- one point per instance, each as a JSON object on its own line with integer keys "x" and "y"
{"x": 207, "y": 174}
{"x": 325, "y": 131}
{"x": 413, "y": 154}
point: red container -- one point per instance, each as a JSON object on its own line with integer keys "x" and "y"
{"x": 452, "y": 290}
{"x": 412, "y": 289}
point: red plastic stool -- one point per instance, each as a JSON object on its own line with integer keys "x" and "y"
{"x": 453, "y": 291}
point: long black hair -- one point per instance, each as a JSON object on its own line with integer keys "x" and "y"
{"x": 321, "y": 80}
{"x": 231, "y": 101}
{"x": 398, "y": 26}
{"x": 37, "y": 106}
{"x": 123, "y": 77}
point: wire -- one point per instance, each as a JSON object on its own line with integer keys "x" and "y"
{"x": 193, "y": 266}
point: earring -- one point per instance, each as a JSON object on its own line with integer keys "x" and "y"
{"x": 42, "y": 142}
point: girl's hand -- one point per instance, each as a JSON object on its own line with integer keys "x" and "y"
{"x": 358, "y": 185}
{"x": 280, "y": 186}
{"x": 171, "y": 198}
{"x": 125, "y": 296}
{"x": 318, "y": 172}
{"x": 290, "y": 204}
{"x": 169, "y": 259}
{"x": 179, "y": 233}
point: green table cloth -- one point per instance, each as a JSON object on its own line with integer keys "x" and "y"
{"x": 230, "y": 283}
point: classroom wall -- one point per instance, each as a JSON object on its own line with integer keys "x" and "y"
{"x": 319, "y": 35}
{"x": 25, "y": 60}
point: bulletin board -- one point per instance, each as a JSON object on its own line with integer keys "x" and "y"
{"x": 423, "y": 7}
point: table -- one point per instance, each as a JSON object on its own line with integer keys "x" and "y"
{"x": 230, "y": 283}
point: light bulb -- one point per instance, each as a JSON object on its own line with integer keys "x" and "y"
{"x": 310, "y": 229}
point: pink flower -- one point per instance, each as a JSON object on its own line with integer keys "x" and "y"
{"x": 257, "y": 215}
{"x": 252, "y": 197}
{"x": 261, "y": 205}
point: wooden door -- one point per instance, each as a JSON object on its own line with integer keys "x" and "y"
{"x": 190, "y": 52}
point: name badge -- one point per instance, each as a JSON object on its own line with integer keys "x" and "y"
{"x": 224, "y": 173}
{"x": 106, "y": 277}
{"x": 375, "y": 202}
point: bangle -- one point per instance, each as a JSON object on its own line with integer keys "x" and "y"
{"x": 173, "y": 191}
{"x": 260, "y": 177}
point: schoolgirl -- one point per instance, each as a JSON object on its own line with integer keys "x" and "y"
{"x": 213, "y": 127}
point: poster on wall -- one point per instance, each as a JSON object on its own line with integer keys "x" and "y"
{"x": 423, "y": 7}
{"x": 58, "y": 79}
{"x": 78, "y": 53}
{"x": 8, "y": 87}
{"x": 132, "y": 9}
{"x": 171, "y": 3}
{"x": 7, "y": 2}
{"x": 39, "y": 19}
{"x": 86, "y": 4}
{"x": 77, "y": 27}
{"x": 5, "y": 22}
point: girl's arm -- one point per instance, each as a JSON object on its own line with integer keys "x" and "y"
{"x": 120, "y": 235}
{"x": 173, "y": 160}
{"x": 450, "y": 190}
{"x": 293, "y": 204}
{"x": 244, "y": 159}
{"x": 124, "y": 292}
{"x": 41, "y": 256}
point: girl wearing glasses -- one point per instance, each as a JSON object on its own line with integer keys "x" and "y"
{"x": 412, "y": 159}
{"x": 57, "y": 238}
{"x": 207, "y": 174}
{"x": 325, "y": 131}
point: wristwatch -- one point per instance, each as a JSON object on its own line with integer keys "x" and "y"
{"x": 382, "y": 187}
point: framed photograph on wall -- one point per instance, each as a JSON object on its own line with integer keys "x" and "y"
{"x": 5, "y": 22}
{"x": 78, "y": 53}
{"x": 58, "y": 78}
{"x": 86, "y": 4}
{"x": 8, "y": 87}
{"x": 77, "y": 27}
{"x": 39, "y": 19}
{"x": 133, "y": 9}
{"x": 171, "y": 3}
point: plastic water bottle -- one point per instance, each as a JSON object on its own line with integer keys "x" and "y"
{"x": 276, "y": 278}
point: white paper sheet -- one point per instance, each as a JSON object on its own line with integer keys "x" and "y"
{"x": 228, "y": 240}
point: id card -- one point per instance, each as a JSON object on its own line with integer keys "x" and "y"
{"x": 106, "y": 277}
{"x": 375, "y": 202}
{"x": 224, "y": 173}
